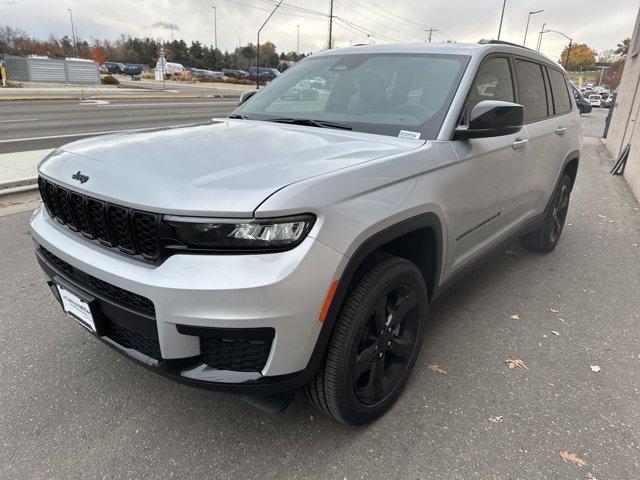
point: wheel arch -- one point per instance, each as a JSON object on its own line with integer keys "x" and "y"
{"x": 426, "y": 226}
{"x": 570, "y": 166}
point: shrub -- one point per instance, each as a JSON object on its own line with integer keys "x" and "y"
{"x": 109, "y": 80}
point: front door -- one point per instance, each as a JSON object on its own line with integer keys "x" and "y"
{"x": 493, "y": 171}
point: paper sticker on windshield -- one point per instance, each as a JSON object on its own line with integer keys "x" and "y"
{"x": 409, "y": 134}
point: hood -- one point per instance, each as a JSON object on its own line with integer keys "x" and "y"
{"x": 223, "y": 168}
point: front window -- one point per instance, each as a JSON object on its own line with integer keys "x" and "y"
{"x": 374, "y": 93}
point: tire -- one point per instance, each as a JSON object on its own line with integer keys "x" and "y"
{"x": 545, "y": 239}
{"x": 386, "y": 344}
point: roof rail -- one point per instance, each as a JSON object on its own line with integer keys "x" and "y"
{"x": 502, "y": 42}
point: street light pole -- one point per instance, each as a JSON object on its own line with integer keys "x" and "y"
{"x": 73, "y": 32}
{"x": 504, "y": 3}
{"x": 215, "y": 28}
{"x": 540, "y": 37}
{"x": 258, "y": 50}
{"x": 526, "y": 30}
{"x": 298, "y": 44}
{"x": 566, "y": 62}
{"x": 330, "y": 24}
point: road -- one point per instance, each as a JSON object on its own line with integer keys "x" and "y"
{"x": 34, "y": 125}
{"x": 70, "y": 407}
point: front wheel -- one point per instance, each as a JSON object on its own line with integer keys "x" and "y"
{"x": 374, "y": 345}
{"x": 546, "y": 238}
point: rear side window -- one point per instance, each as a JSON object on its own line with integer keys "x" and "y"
{"x": 531, "y": 91}
{"x": 493, "y": 82}
{"x": 561, "y": 102}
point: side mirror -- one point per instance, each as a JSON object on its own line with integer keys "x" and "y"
{"x": 244, "y": 96}
{"x": 492, "y": 118}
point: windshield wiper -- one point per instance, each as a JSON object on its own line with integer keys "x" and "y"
{"x": 311, "y": 123}
{"x": 238, "y": 116}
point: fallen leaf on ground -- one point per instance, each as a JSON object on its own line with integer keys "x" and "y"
{"x": 515, "y": 316}
{"x": 436, "y": 369}
{"x": 555, "y": 333}
{"x": 589, "y": 476}
{"x": 496, "y": 477}
{"x": 573, "y": 458}
{"x": 496, "y": 419}
{"x": 510, "y": 253}
{"x": 554, "y": 310}
{"x": 515, "y": 363}
{"x": 595, "y": 368}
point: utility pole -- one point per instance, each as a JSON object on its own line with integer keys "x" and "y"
{"x": 298, "y": 44}
{"x": 330, "y": 23}
{"x": 215, "y": 28}
{"x": 566, "y": 63}
{"x": 258, "y": 49}
{"x": 429, "y": 32}
{"x": 504, "y": 3}
{"x": 73, "y": 32}
{"x": 526, "y": 30}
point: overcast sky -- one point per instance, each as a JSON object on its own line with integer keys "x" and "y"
{"x": 403, "y": 20}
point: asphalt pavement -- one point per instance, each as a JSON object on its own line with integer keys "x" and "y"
{"x": 70, "y": 407}
{"x": 593, "y": 123}
{"x": 35, "y": 124}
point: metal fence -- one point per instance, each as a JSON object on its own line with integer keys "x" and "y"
{"x": 48, "y": 70}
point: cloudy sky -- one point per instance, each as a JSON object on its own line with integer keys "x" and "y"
{"x": 384, "y": 20}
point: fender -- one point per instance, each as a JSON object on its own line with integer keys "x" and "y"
{"x": 354, "y": 270}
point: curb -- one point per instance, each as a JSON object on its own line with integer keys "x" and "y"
{"x": 6, "y": 189}
{"x": 150, "y": 96}
{"x": 18, "y": 183}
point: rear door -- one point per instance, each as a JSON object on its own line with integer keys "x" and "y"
{"x": 535, "y": 95}
{"x": 493, "y": 171}
{"x": 551, "y": 138}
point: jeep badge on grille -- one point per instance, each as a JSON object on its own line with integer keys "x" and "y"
{"x": 80, "y": 177}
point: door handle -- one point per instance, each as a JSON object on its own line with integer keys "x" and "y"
{"x": 519, "y": 144}
{"x": 561, "y": 131}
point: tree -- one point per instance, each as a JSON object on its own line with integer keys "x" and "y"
{"x": 582, "y": 57}
{"x": 99, "y": 55}
{"x": 607, "y": 56}
{"x": 623, "y": 47}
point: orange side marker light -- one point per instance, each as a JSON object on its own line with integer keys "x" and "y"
{"x": 327, "y": 301}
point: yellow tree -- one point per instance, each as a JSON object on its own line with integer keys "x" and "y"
{"x": 582, "y": 57}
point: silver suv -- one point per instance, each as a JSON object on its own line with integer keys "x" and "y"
{"x": 298, "y": 242}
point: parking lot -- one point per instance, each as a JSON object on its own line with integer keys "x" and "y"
{"x": 72, "y": 408}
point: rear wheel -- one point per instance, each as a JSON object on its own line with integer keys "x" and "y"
{"x": 374, "y": 344}
{"x": 546, "y": 238}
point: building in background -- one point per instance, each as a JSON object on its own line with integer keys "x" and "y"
{"x": 624, "y": 128}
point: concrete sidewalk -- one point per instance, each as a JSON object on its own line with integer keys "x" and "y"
{"x": 18, "y": 170}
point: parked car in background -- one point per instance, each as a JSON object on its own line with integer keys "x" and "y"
{"x": 103, "y": 69}
{"x": 233, "y": 73}
{"x": 582, "y": 103}
{"x": 595, "y": 100}
{"x": 132, "y": 70}
{"x": 303, "y": 90}
{"x": 115, "y": 67}
{"x": 319, "y": 82}
{"x": 171, "y": 68}
{"x": 204, "y": 75}
{"x": 611, "y": 100}
{"x": 266, "y": 74}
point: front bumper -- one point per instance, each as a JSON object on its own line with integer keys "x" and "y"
{"x": 279, "y": 292}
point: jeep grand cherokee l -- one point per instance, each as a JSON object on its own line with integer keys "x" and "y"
{"x": 298, "y": 244}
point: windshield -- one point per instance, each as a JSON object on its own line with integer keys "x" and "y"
{"x": 389, "y": 94}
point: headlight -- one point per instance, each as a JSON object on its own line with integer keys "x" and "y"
{"x": 220, "y": 234}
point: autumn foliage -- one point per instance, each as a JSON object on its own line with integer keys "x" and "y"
{"x": 582, "y": 57}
